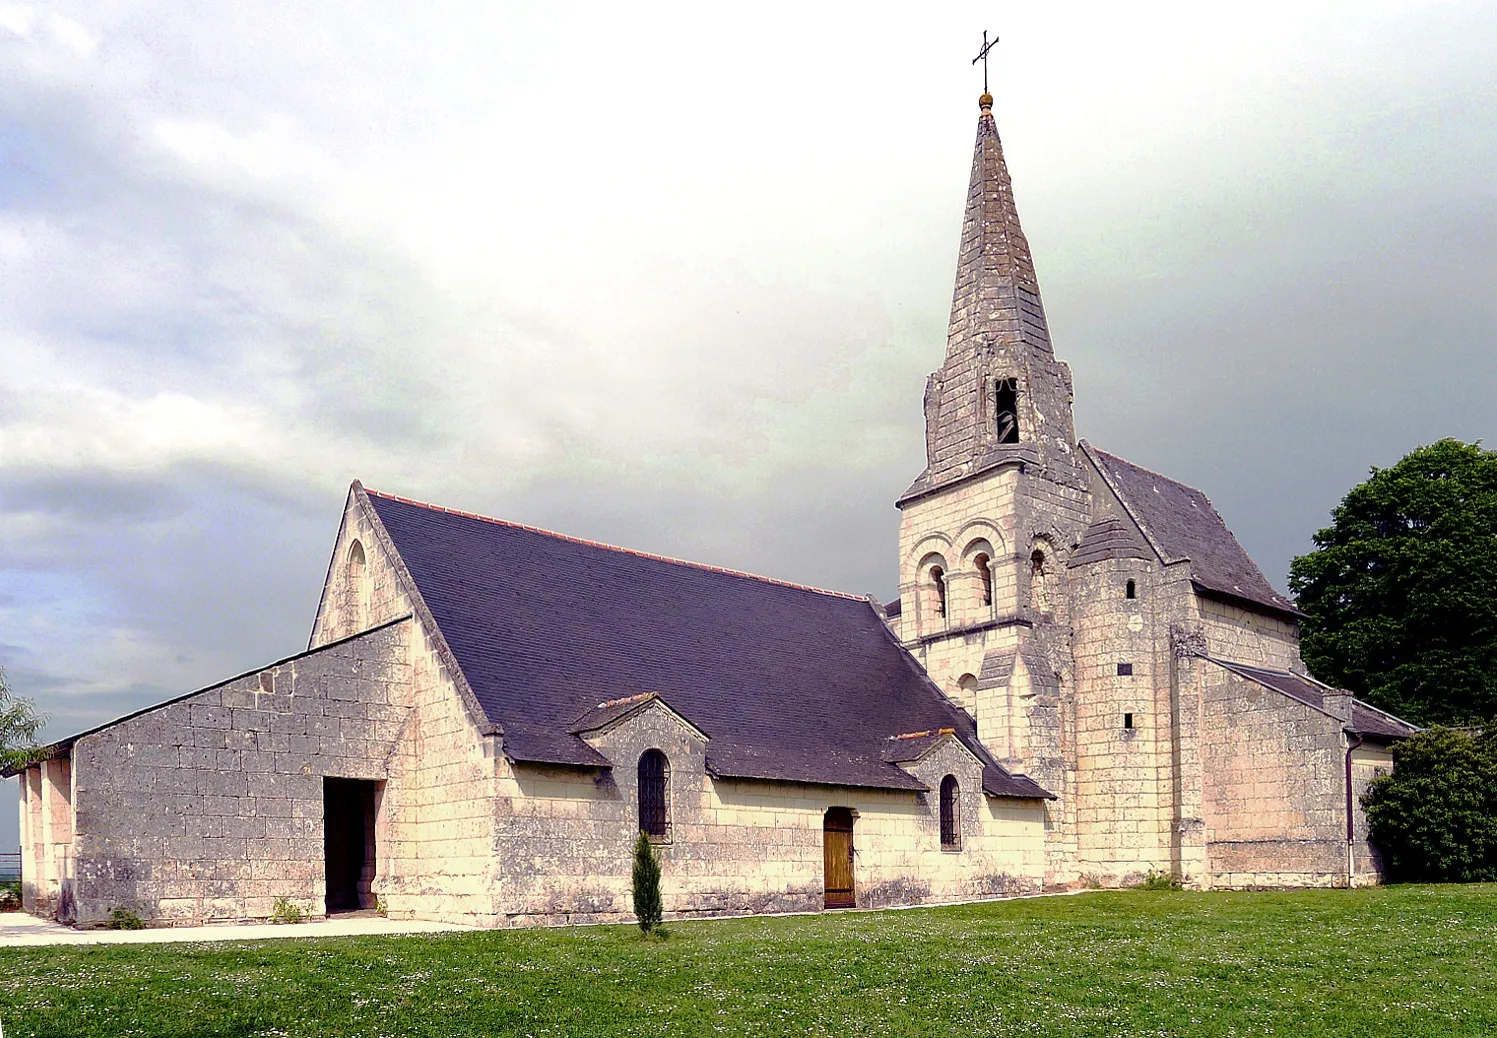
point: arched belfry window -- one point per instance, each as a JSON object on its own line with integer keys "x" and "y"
{"x": 938, "y": 582}
{"x": 654, "y": 795}
{"x": 951, "y": 813}
{"x": 984, "y": 567}
{"x": 1006, "y": 410}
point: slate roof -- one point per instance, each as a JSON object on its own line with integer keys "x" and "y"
{"x": 1108, "y": 538}
{"x": 789, "y": 682}
{"x": 1366, "y": 720}
{"x": 1181, "y": 524}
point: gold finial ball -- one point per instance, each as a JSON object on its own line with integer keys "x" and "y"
{"x": 985, "y": 102}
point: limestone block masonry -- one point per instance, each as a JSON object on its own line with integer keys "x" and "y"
{"x": 209, "y": 808}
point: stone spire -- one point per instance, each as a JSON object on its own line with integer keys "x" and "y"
{"x": 997, "y": 297}
{"x": 1001, "y": 398}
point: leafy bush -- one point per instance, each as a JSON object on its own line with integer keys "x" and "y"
{"x": 19, "y": 725}
{"x": 1435, "y": 817}
{"x": 287, "y": 911}
{"x": 124, "y": 919}
{"x": 647, "y": 905}
{"x": 10, "y": 896}
{"x": 1157, "y": 881}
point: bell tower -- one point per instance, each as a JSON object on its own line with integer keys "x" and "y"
{"x": 987, "y": 526}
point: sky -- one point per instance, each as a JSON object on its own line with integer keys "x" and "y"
{"x": 672, "y": 277}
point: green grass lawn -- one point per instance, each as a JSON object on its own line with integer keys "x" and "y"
{"x": 1397, "y": 961}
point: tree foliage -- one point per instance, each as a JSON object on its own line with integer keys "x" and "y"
{"x": 19, "y": 725}
{"x": 647, "y": 904}
{"x": 1435, "y": 817}
{"x": 1401, "y": 590}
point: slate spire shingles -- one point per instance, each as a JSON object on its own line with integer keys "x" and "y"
{"x": 997, "y": 295}
{"x": 997, "y": 337}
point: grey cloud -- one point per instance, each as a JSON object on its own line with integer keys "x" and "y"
{"x": 93, "y": 496}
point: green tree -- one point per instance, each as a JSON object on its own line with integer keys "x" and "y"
{"x": 647, "y": 906}
{"x": 1401, "y": 590}
{"x": 19, "y": 725}
{"x": 1435, "y": 817}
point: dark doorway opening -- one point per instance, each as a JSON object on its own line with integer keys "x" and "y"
{"x": 837, "y": 853}
{"x": 348, "y": 811}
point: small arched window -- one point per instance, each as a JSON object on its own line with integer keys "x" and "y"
{"x": 355, "y": 590}
{"x": 951, "y": 813}
{"x": 654, "y": 794}
{"x": 985, "y": 572}
{"x": 1130, "y": 590}
{"x": 938, "y": 581}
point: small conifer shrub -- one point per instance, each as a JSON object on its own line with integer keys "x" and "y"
{"x": 647, "y": 907}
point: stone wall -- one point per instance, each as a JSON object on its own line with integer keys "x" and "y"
{"x": 441, "y": 863}
{"x": 209, "y": 808}
{"x": 1123, "y": 722}
{"x": 1368, "y": 762}
{"x": 566, "y": 836}
{"x": 47, "y": 838}
{"x": 1274, "y": 790}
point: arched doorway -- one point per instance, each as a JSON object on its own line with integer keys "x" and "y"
{"x": 837, "y": 851}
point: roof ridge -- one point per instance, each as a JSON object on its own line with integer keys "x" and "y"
{"x": 1117, "y": 492}
{"x": 1152, "y": 472}
{"x": 614, "y": 547}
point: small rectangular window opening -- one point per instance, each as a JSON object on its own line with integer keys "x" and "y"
{"x": 1006, "y": 410}
{"x": 1130, "y": 590}
{"x": 1125, "y": 670}
{"x": 1128, "y": 722}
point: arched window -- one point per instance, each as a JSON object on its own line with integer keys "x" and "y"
{"x": 938, "y": 581}
{"x": 1006, "y": 410}
{"x": 654, "y": 794}
{"x": 1130, "y": 590}
{"x": 951, "y": 813}
{"x": 985, "y": 572}
{"x": 355, "y": 590}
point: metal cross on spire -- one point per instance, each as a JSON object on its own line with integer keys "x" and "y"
{"x": 982, "y": 56}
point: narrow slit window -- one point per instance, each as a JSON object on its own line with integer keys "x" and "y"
{"x": 1125, "y": 670}
{"x": 1130, "y": 590}
{"x": 951, "y": 813}
{"x": 1006, "y": 410}
{"x": 1128, "y": 722}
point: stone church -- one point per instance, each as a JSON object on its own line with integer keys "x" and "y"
{"x": 1084, "y": 680}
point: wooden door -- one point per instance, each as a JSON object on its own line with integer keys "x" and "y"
{"x": 837, "y": 852}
